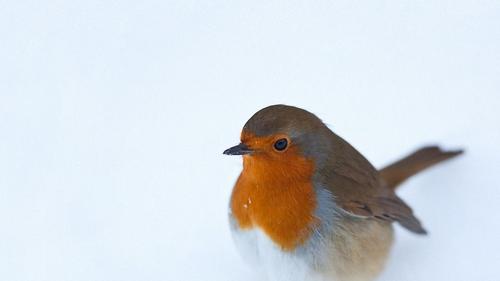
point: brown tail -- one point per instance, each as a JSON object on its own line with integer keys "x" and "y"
{"x": 419, "y": 160}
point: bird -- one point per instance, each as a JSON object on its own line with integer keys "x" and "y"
{"x": 308, "y": 206}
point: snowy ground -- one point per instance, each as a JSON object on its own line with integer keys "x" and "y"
{"x": 114, "y": 116}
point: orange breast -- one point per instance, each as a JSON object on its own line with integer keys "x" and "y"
{"x": 277, "y": 196}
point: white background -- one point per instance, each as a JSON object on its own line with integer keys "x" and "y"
{"x": 114, "y": 116}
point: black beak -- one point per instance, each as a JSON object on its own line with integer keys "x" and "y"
{"x": 240, "y": 149}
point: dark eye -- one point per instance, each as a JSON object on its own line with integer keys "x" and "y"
{"x": 281, "y": 144}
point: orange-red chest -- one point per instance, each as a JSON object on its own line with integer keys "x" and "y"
{"x": 276, "y": 197}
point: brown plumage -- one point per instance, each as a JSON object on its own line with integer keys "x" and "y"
{"x": 397, "y": 172}
{"x": 302, "y": 186}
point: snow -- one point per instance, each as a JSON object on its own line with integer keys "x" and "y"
{"x": 114, "y": 116}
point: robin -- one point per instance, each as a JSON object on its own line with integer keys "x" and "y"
{"x": 309, "y": 206}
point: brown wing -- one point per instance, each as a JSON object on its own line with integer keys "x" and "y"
{"x": 358, "y": 189}
{"x": 374, "y": 202}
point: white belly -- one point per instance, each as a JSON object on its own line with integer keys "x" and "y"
{"x": 275, "y": 264}
{"x": 318, "y": 259}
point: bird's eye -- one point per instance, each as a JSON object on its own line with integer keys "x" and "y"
{"x": 281, "y": 144}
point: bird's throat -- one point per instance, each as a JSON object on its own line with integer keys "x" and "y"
{"x": 277, "y": 198}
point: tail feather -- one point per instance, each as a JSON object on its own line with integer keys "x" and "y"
{"x": 396, "y": 173}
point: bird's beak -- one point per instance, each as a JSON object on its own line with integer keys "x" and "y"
{"x": 240, "y": 149}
